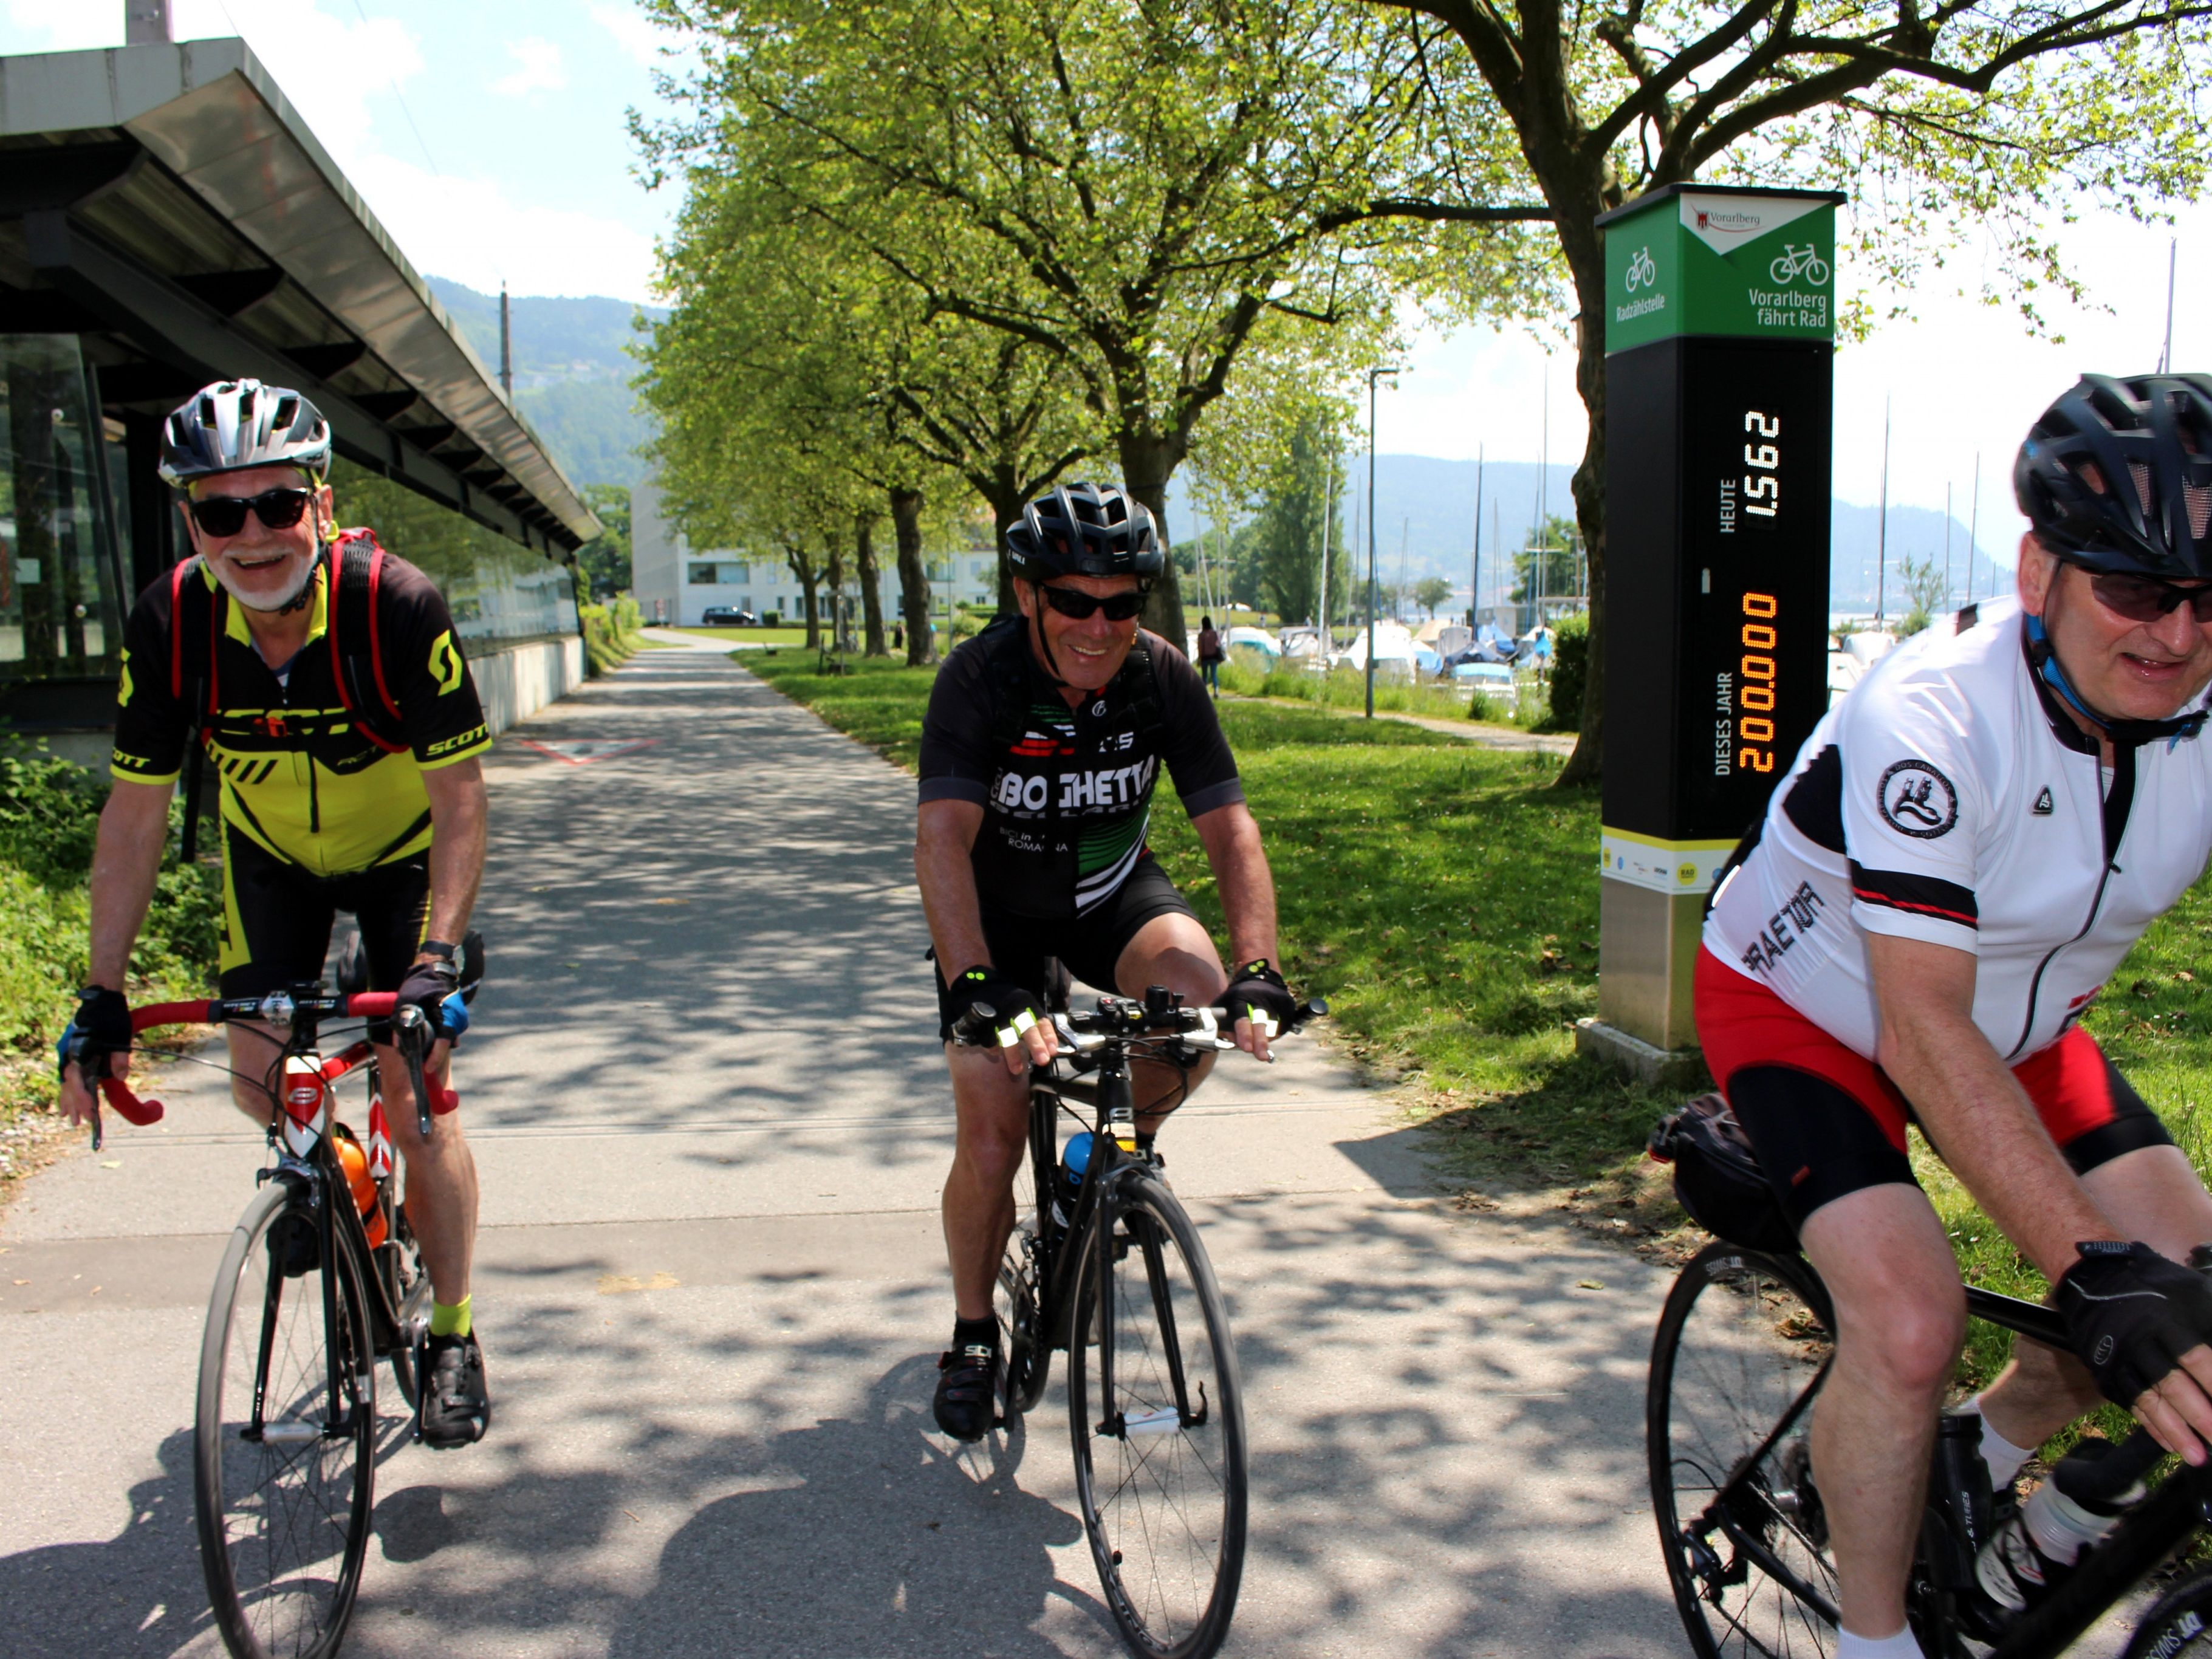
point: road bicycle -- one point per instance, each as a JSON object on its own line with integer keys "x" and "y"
{"x": 1113, "y": 1274}
{"x": 1742, "y": 1349}
{"x": 1793, "y": 262}
{"x": 321, "y": 1279}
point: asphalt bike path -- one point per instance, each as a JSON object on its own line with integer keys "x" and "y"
{"x": 712, "y": 1122}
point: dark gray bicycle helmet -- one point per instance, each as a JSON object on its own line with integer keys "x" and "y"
{"x": 1083, "y": 530}
{"x": 2117, "y": 475}
{"x": 235, "y": 424}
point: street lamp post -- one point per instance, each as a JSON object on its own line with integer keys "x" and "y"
{"x": 1373, "y": 375}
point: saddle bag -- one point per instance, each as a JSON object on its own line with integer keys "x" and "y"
{"x": 1717, "y": 1177}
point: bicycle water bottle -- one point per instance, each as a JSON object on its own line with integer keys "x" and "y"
{"x": 1074, "y": 1164}
{"x": 354, "y": 1162}
{"x": 2076, "y": 1510}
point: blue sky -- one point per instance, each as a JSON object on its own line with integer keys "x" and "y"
{"x": 489, "y": 136}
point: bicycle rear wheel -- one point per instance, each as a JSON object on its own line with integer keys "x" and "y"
{"x": 1157, "y": 1417}
{"x": 1742, "y": 1348}
{"x": 407, "y": 1287}
{"x": 1023, "y": 1338}
{"x": 284, "y": 1507}
{"x": 2180, "y": 1624}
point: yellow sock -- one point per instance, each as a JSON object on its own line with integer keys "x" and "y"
{"x": 450, "y": 1318}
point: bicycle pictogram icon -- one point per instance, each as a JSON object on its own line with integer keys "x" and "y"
{"x": 1643, "y": 271}
{"x": 1800, "y": 261}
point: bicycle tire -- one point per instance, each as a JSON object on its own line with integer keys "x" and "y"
{"x": 2179, "y": 1623}
{"x": 284, "y": 1524}
{"x": 1742, "y": 1347}
{"x": 1164, "y": 1508}
{"x": 1017, "y": 1303}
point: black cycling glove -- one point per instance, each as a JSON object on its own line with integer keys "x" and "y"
{"x": 2131, "y": 1314}
{"x": 1013, "y": 1008}
{"x": 427, "y": 986}
{"x": 1259, "y": 994}
{"x": 101, "y": 1027}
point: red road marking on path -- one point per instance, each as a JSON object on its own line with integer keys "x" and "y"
{"x": 584, "y": 751}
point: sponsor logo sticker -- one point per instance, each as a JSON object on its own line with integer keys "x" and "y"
{"x": 1916, "y": 800}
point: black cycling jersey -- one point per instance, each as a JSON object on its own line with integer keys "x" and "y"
{"x": 1066, "y": 792}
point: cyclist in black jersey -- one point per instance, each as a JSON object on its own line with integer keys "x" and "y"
{"x": 1042, "y": 748}
{"x": 322, "y": 677}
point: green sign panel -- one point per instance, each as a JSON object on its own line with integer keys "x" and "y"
{"x": 1755, "y": 265}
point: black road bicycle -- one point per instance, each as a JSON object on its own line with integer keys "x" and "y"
{"x": 1743, "y": 1346}
{"x": 313, "y": 1290}
{"x": 1120, "y": 1281}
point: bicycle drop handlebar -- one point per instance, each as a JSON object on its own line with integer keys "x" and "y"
{"x": 279, "y": 1008}
{"x": 1159, "y": 1015}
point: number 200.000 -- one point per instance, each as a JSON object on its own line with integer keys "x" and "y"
{"x": 1755, "y": 724}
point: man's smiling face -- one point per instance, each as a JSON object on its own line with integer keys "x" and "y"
{"x": 264, "y": 569}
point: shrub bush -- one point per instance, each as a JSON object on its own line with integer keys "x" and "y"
{"x": 1570, "y": 671}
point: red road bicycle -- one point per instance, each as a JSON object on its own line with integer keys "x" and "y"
{"x": 321, "y": 1279}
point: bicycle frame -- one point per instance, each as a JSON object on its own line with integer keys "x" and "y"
{"x": 2146, "y": 1535}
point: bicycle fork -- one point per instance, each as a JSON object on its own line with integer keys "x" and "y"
{"x": 1122, "y": 1130}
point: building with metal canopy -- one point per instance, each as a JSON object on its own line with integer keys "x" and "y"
{"x": 167, "y": 218}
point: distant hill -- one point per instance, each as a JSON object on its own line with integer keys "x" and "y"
{"x": 572, "y": 373}
{"x": 1427, "y": 507}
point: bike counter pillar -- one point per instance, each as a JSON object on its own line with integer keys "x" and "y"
{"x": 1720, "y": 331}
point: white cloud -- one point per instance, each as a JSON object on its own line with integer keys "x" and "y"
{"x": 329, "y": 66}
{"x": 634, "y": 32}
{"x": 74, "y": 25}
{"x": 538, "y": 68}
{"x": 470, "y": 230}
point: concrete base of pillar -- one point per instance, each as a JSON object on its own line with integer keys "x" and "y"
{"x": 1665, "y": 1068}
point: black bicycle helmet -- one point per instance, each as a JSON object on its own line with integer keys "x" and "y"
{"x": 1083, "y": 530}
{"x": 2117, "y": 476}
{"x": 232, "y": 425}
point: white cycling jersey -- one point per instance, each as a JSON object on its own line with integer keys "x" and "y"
{"x": 1947, "y": 798}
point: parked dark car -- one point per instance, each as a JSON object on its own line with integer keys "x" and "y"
{"x": 726, "y": 616}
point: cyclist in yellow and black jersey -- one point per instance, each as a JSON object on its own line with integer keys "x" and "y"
{"x": 322, "y": 677}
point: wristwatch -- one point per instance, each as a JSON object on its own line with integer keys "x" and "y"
{"x": 438, "y": 948}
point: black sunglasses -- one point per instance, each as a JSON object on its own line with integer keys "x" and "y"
{"x": 2145, "y": 598}
{"x": 225, "y": 515}
{"x": 1072, "y": 602}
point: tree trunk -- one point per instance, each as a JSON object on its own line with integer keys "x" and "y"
{"x": 1585, "y": 250}
{"x": 871, "y": 599}
{"x": 914, "y": 575}
{"x": 1006, "y": 514}
{"x": 1147, "y": 464}
{"x": 803, "y": 569}
{"x": 833, "y": 577}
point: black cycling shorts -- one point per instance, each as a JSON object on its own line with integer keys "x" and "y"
{"x": 277, "y": 918}
{"x": 1088, "y": 946}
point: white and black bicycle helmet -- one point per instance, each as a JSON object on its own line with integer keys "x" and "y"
{"x": 1083, "y": 530}
{"x": 2117, "y": 476}
{"x": 235, "y": 424}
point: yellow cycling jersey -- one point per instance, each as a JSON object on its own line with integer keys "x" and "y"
{"x": 329, "y": 788}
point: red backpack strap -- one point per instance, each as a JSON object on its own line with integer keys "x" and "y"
{"x": 187, "y": 584}
{"x": 351, "y": 624}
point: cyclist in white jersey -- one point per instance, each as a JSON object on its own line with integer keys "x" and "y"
{"x": 1965, "y": 849}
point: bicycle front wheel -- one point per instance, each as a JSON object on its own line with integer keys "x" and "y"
{"x": 1742, "y": 1348}
{"x": 284, "y": 1461}
{"x": 1157, "y": 1418}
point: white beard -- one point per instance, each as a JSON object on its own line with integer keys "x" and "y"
{"x": 266, "y": 602}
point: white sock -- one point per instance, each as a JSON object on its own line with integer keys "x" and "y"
{"x": 2005, "y": 1460}
{"x": 1850, "y": 1644}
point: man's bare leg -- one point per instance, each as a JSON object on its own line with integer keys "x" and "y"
{"x": 2152, "y": 1193}
{"x": 1174, "y": 950}
{"x": 1900, "y": 1319}
{"x": 991, "y": 1137}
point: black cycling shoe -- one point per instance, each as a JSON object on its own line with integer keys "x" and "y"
{"x": 456, "y": 1406}
{"x": 294, "y": 1244}
{"x": 967, "y": 1390}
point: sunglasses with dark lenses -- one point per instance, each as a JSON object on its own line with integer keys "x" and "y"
{"x": 225, "y": 515}
{"x": 1072, "y": 602}
{"x": 2145, "y": 599}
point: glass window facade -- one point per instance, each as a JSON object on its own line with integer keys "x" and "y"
{"x": 500, "y": 593}
{"x": 60, "y": 611}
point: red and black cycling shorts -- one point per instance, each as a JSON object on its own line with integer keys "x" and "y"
{"x": 1824, "y": 1121}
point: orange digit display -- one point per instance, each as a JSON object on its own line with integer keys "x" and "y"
{"x": 1755, "y": 687}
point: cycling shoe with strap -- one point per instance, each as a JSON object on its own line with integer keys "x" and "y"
{"x": 456, "y": 1406}
{"x": 967, "y": 1390}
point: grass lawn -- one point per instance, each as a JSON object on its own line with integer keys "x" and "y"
{"x": 774, "y": 636}
{"x": 1444, "y": 899}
